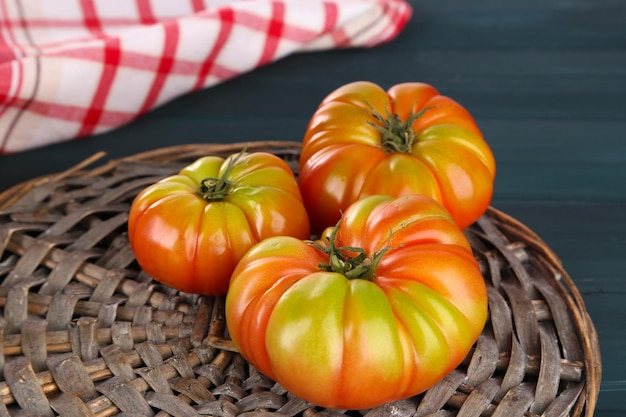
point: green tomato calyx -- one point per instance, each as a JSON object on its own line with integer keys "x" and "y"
{"x": 214, "y": 189}
{"x": 397, "y": 135}
{"x": 217, "y": 189}
{"x": 350, "y": 261}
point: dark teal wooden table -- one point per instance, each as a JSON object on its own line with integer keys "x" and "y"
{"x": 546, "y": 81}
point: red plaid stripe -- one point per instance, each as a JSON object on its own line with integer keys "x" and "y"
{"x": 164, "y": 68}
{"x": 145, "y": 12}
{"x": 74, "y": 68}
{"x": 209, "y": 65}
{"x": 274, "y": 31}
{"x": 90, "y": 17}
{"x": 110, "y": 64}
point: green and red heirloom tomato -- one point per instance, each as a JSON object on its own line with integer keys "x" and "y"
{"x": 380, "y": 308}
{"x": 363, "y": 140}
{"x": 189, "y": 230}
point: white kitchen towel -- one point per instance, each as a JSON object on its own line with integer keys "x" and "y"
{"x": 75, "y": 68}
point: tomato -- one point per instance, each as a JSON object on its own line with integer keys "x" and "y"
{"x": 380, "y": 308}
{"x": 189, "y": 230}
{"x": 363, "y": 140}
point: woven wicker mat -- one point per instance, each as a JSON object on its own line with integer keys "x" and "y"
{"x": 85, "y": 332}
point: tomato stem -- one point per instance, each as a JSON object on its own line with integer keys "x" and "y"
{"x": 350, "y": 261}
{"x": 217, "y": 189}
{"x": 397, "y": 136}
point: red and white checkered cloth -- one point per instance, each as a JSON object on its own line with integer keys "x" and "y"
{"x": 74, "y": 68}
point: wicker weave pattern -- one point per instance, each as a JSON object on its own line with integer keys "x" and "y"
{"x": 85, "y": 332}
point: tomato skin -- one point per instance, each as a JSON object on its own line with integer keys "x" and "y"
{"x": 359, "y": 343}
{"x": 344, "y": 157}
{"x": 193, "y": 245}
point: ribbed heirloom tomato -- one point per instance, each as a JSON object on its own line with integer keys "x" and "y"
{"x": 189, "y": 230}
{"x": 363, "y": 140}
{"x": 380, "y": 308}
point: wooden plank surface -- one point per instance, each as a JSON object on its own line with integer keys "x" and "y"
{"x": 546, "y": 81}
